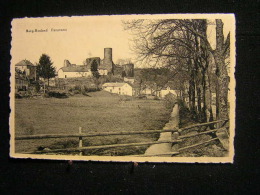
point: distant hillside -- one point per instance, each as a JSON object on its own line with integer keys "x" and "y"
{"x": 161, "y": 76}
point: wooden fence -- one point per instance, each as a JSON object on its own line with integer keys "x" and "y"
{"x": 177, "y": 137}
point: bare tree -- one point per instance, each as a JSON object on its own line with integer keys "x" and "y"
{"x": 184, "y": 46}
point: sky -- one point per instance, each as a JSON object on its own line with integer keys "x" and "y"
{"x": 84, "y": 37}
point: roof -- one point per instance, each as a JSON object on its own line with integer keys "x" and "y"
{"x": 78, "y": 68}
{"x": 24, "y": 63}
{"x": 173, "y": 85}
{"x": 114, "y": 84}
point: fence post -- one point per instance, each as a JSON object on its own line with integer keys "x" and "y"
{"x": 175, "y": 137}
{"x": 80, "y": 141}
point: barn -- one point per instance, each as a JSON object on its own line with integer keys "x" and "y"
{"x": 118, "y": 88}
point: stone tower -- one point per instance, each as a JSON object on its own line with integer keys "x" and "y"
{"x": 108, "y": 60}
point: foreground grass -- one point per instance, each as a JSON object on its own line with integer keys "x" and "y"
{"x": 212, "y": 149}
{"x": 98, "y": 112}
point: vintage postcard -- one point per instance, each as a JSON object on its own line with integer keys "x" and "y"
{"x": 140, "y": 88}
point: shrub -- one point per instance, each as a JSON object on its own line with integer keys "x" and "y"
{"x": 37, "y": 87}
{"x": 18, "y": 96}
{"x": 56, "y": 94}
{"x": 156, "y": 98}
{"x": 76, "y": 91}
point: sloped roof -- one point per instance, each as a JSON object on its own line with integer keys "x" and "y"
{"x": 173, "y": 85}
{"x": 24, "y": 63}
{"x": 114, "y": 84}
{"x": 78, "y": 68}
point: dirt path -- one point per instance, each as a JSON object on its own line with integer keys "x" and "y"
{"x": 165, "y": 147}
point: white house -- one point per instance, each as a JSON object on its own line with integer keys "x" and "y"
{"x": 74, "y": 71}
{"x": 118, "y": 88}
{"x": 168, "y": 90}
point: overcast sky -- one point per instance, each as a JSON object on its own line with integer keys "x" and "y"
{"x": 84, "y": 37}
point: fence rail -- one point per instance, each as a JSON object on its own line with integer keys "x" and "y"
{"x": 176, "y": 138}
{"x": 179, "y": 150}
{"x": 47, "y": 136}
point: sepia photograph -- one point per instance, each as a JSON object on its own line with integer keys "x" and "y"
{"x": 139, "y": 88}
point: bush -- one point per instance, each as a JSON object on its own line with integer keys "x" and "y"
{"x": 125, "y": 98}
{"x": 37, "y": 87}
{"x": 76, "y": 91}
{"x": 56, "y": 94}
{"x": 91, "y": 89}
{"x": 82, "y": 89}
{"x": 18, "y": 96}
{"x": 156, "y": 98}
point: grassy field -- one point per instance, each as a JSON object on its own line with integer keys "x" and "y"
{"x": 98, "y": 112}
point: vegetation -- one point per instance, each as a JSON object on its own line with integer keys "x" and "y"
{"x": 57, "y": 94}
{"x": 213, "y": 149}
{"x": 183, "y": 47}
{"x": 99, "y": 112}
{"x": 45, "y": 69}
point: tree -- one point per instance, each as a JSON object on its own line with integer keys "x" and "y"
{"x": 94, "y": 69}
{"x": 184, "y": 46}
{"x": 45, "y": 69}
{"x": 222, "y": 48}
{"x": 123, "y": 74}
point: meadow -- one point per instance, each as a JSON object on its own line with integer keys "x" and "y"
{"x": 97, "y": 112}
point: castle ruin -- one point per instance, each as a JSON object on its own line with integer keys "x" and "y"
{"x": 103, "y": 67}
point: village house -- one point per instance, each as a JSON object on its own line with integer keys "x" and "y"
{"x": 21, "y": 82}
{"x": 74, "y": 71}
{"x": 26, "y": 67}
{"x": 147, "y": 90}
{"x": 168, "y": 90}
{"x": 118, "y": 88}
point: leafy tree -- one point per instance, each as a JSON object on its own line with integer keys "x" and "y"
{"x": 96, "y": 74}
{"x": 123, "y": 74}
{"x": 45, "y": 69}
{"x": 94, "y": 69}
